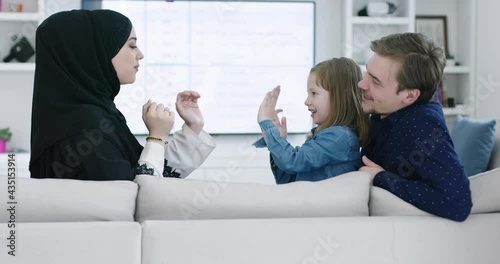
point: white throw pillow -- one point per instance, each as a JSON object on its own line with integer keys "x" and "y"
{"x": 63, "y": 200}
{"x": 170, "y": 198}
{"x": 485, "y": 188}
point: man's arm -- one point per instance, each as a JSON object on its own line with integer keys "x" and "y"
{"x": 425, "y": 171}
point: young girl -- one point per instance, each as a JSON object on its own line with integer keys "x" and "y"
{"x": 334, "y": 100}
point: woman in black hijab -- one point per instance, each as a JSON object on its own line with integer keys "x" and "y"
{"x": 77, "y": 132}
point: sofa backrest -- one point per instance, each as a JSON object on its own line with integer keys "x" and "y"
{"x": 71, "y": 243}
{"x": 184, "y": 199}
{"x": 63, "y": 200}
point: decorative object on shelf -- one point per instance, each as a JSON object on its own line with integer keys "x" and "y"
{"x": 378, "y": 8}
{"x": 450, "y": 102}
{"x": 21, "y": 51}
{"x": 16, "y": 7}
{"x": 435, "y": 28}
{"x": 450, "y": 59}
{"x": 5, "y": 136}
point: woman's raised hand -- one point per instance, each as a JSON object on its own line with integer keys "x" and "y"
{"x": 187, "y": 107}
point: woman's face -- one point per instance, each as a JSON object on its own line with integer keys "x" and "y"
{"x": 126, "y": 62}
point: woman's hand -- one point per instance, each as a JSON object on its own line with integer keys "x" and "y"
{"x": 187, "y": 107}
{"x": 158, "y": 119}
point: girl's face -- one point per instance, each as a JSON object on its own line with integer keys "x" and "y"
{"x": 126, "y": 62}
{"x": 317, "y": 101}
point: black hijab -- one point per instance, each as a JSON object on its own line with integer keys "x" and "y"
{"x": 75, "y": 81}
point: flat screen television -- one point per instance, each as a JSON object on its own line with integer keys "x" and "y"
{"x": 231, "y": 52}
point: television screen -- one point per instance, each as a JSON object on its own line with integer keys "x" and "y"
{"x": 231, "y": 52}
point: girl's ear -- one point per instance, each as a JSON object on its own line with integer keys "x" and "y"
{"x": 412, "y": 96}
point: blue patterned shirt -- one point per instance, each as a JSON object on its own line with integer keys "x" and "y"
{"x": 331, "y": 152}
{"x": 414, "y": 147}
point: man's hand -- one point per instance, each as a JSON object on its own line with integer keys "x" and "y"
{"x": 187, "y": 107}
{"x": 371, "y": 167}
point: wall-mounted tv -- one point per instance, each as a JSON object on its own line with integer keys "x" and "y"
{"x": 231, "y": 52}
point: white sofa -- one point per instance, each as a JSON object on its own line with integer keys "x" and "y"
{"x": 155, "y": 220}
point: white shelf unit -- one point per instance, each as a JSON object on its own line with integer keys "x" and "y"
{"x": 28, "y": 16}
{"x": 22, "y": 24}
{"x": 459, "y": 80}
{"x": 360, "y": 30}
{"x": 17, "y": 66}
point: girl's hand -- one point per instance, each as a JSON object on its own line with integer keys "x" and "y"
{"x": 268, "y": 106}
{"x": 280, "y": 125}
{"x": 267, "y": 111}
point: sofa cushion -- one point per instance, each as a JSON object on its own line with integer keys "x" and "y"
{"x": 63, "y": 200}
{"x": 72, "y": 243}
{"x": 324, "y": 240}
{"x": 473, "y": 140}
{"x": 485, "y": 197}
{"x": 177, "y": 199}
{"x": 321, "y": 240}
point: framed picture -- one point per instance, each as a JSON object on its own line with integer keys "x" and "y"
{"x": 435, "y": 28}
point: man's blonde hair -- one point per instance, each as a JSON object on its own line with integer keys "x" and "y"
{"x": 422, "y": 61}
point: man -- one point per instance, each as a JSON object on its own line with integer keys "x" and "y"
{"x": 410, "y": 152}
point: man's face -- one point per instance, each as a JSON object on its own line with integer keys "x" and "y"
{"x": 380, "y": 85}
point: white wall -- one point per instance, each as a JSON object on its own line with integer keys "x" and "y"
{"x": 234, "y": 158}
{"x": 488, "y": 57}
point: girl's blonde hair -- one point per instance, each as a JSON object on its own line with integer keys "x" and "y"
{"x": 340, "y": 77}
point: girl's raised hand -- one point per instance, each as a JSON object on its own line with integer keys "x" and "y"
{"x": 267, "y": 109}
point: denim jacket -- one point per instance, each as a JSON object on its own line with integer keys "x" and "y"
{"x": 333, "y": 151}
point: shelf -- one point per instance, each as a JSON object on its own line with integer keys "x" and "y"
{"x": 457, "y": 110}
{"x": 457, "y": 69}
{"x": 11, "y": 16}
{"x": 448, "y": 70}
{"x": 17, "y": 66}
{"x": 381, "y": 20}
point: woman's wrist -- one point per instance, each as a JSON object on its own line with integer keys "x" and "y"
{"x": 156, "y": 138}
{"x": 196, "y": 127}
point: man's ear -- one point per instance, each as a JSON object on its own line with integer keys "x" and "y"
{"x": 412, "y": 96}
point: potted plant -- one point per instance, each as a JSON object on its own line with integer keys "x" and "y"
{"x": 450, "y": 59}
{"x": 5, "y": 136}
